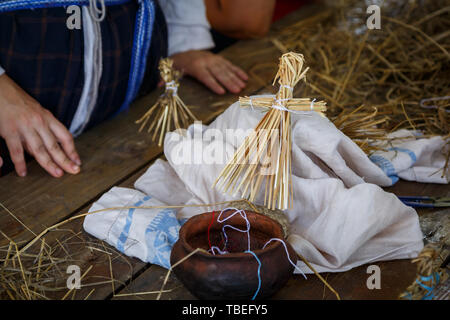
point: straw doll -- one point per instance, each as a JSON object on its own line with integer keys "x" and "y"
{"x": 265, "y": 154}
{"x": 169, "y": 112}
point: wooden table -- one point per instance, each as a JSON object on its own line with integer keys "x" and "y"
{"x": 115, "y": 154}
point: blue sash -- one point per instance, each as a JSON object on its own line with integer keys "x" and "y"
{"x": 143, "y": 29}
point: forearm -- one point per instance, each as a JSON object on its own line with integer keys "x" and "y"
{"x": 240, "y": 19}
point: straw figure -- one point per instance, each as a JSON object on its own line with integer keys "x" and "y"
{"x": 265, "y": 154}
{"x": 429, "y": 276}
{"x": 169, "y": 112}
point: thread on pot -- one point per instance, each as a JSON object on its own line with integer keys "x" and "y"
{"x": 244, "y": 216}
{"x": 287, "y": 254}
{"x": 224, "y": 251}
{"x": 259, "y": 273}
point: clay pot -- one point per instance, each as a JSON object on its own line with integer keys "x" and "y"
{"x": 233, "y": 275}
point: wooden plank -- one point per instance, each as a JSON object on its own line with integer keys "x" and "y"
{"x": 410, "y": 188}
{"x": 151, "y": 280}
{"x": 112, "y": 151}
{"x": 395, "y": 277}
{"x": 72, "y": 243}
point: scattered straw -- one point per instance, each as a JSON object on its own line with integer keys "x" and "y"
{"x": 28, "y": 276}
{"x": 392, "y": 69}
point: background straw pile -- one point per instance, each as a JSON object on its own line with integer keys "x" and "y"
{"x": 384, "y": 73}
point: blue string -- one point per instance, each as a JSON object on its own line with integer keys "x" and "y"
{"x": 259, "y": 273}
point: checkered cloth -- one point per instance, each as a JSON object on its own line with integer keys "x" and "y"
{"x": 45, "y": 58}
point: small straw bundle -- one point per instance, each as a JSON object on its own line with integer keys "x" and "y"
{"x": 266, "y": 152}
{"x": 169, "y": 108}
{"x": 429, "y": 275}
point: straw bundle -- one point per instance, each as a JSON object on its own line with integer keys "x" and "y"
{"x": 429, "y": 274}
{"x": 266, "y": 152}
{"x": 169, "y": 111}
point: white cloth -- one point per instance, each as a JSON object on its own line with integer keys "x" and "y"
{"x": 340, "y": 217}
{"x": 92, "y": 73}
{"x": 146, "y": 234}
{"x": 2, "y": 71}
{"x": 187, "y": 25}
{"x": 410, "y": 158}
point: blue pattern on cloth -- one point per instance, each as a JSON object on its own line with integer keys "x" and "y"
{"x": 411, "y": 154}
{"x": 160, "y": 235}
{"x": 126, "y": 229}
{"x": 145, "y": 19}
{"x": 386, "y": 166}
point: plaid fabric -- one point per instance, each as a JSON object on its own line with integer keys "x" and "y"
{"x": 45, "y": 58}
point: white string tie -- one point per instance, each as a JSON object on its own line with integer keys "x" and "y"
{"x": 251, "y": 104}
{"x": 97, "y": 14}
{"x": 287, "y": 87}
{"x": 172, "y": 86}
{"x": 312, "y": 104}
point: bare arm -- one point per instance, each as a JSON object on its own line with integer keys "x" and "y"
{"x": 240, "y": 19}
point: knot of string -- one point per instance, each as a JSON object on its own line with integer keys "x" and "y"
{"x": 97, "y": 13}
{"x": 172, "y": 86}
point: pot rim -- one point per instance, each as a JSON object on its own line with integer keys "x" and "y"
{"x": 240, "y": 255}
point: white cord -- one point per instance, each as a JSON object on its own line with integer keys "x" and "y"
{"x": 98, "y": 15}
{"x": 171, "y": 85}
{"x": 312, "y": 104}
{"x": 287, "y": 254}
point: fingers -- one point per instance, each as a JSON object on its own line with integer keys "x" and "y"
{"x": 1, "y": 162}
{"x": 227, "y": 77}
{"x": 56, "y": 153}
{"x": 241, "y": 73}
{"x": 16, "y": 153}
{"x": 205, "y": 76}
{"x": 36, "y": 147}
{"x": 66, "y": 140}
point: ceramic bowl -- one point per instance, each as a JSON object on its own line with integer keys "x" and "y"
{"x": 233, "y": 275}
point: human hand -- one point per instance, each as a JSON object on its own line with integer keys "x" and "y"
{"x": 25, "y": 125}
{"x": 212, "y": 70}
